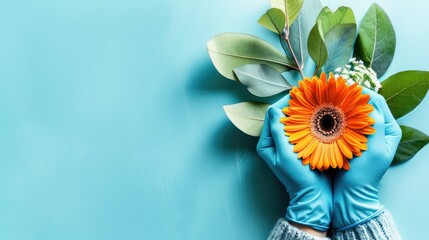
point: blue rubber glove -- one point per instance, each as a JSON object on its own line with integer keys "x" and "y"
{"x": 356, "y": 191}
{"x": 310, "y": 191}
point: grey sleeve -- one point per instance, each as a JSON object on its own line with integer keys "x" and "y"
{"x": 284, "y": 231}
{"x": 381, "y": 227}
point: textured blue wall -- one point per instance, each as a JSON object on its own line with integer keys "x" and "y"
{"x": 111, "y": 125}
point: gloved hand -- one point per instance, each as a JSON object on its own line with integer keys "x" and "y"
{"x": 310, "y": 191}
{"x": 356, "y": 191}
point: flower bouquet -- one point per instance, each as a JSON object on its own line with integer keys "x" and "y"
{"x": 328, "y": 112}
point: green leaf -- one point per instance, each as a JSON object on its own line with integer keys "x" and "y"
{"x": 411, "y": 142}
{"x": 376, "y": 41}
{"x": 329, "y": 19}
{"x": 247, "y": 116}
{"x": 300, "y": 29}
{"x": 230, "y": 50}
{"x": 404, "y": 91}
{"x": 339, "y": 41}
{"x": 262, "y": 80}
{"x": 316, "y": 46}
{"x": 339, "y": 32}
{"x": 291, "y": 9}
{"x": 273, "y": 20}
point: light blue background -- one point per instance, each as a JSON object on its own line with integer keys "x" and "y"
{"x": 112, "y": 125}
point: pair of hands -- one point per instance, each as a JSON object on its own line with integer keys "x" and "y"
{"x": 340, "y": 199}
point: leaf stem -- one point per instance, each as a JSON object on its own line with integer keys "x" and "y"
{"x": 286, "y": 38}
{"x": 317, "y": 70}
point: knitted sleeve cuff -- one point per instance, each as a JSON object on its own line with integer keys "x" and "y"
{"x": 284, "y": 231}
{"x": 381, "y": 227}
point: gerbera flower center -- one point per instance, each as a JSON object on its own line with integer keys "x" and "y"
{"x": 327, "y": 123}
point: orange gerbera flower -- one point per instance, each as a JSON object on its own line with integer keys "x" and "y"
{"x": 328, "y": 121}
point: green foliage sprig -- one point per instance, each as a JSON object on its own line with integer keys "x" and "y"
{"x": 305, "y": 30}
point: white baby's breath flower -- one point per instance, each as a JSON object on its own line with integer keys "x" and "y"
{"x": 367, "y": 84}
{"x": 356, "y": 72}
{"x": 350, "y": 81}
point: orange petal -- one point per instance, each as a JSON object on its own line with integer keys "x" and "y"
{"x": 356, "y": 124}
{"x": 342, "y": 90}
{"x": 294, "y": 120}
{"x": 353, "y": 143}
{"x": 295, "y": 110}
{"x": 328, "y": 156}
{"x": 309, "y": 93}
{"x": 338, "y": 156}
{"x": 320, "y": 91}
{"x": 300, "y": 117}
{"x": 303, "y": 143}
{"x": 356, "y": 135}
{"x": 296, "y": 127}
{"x": 346, "y": 165}
{"x": 332, "y": 154}
{"x": 331, "y": 89}
{"x": 305, "y": 161}
{"x": 370, "y": 121}
{"x": 351, "y": 98}
{"x": 363, "y": 99}
{"x": 309, "y": 149}
{"x": 344, "y": 149}
{"x": 317, "y": 154}
{"x": 323, "y": 78}
{"x": 359, "y": 109}
{"x": 300, "y": 96}
{"x": 340, "y": 81}
{"x": 322, "y": 157}
{"x": 367, "y": 130}
{"x": 299, "y": 135}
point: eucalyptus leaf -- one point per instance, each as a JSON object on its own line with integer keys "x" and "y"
{"x": 300, "y": 29}
{"x": 339, "y": 32}
{"x": 339, "y": 42}
{"x": 329, "y": 19}
{"x": 247, "y": 116}
{"x": 262, "y": 80}
{"x": 404, "y": 91}
{"x": 273, "y": 20}
{"x": 291, "y": 9}
{"x": 230, "y": 50}
{"x": 317, "y": 47}
{"x": 376, "y": 41}
{"x": 412, "y": 141}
